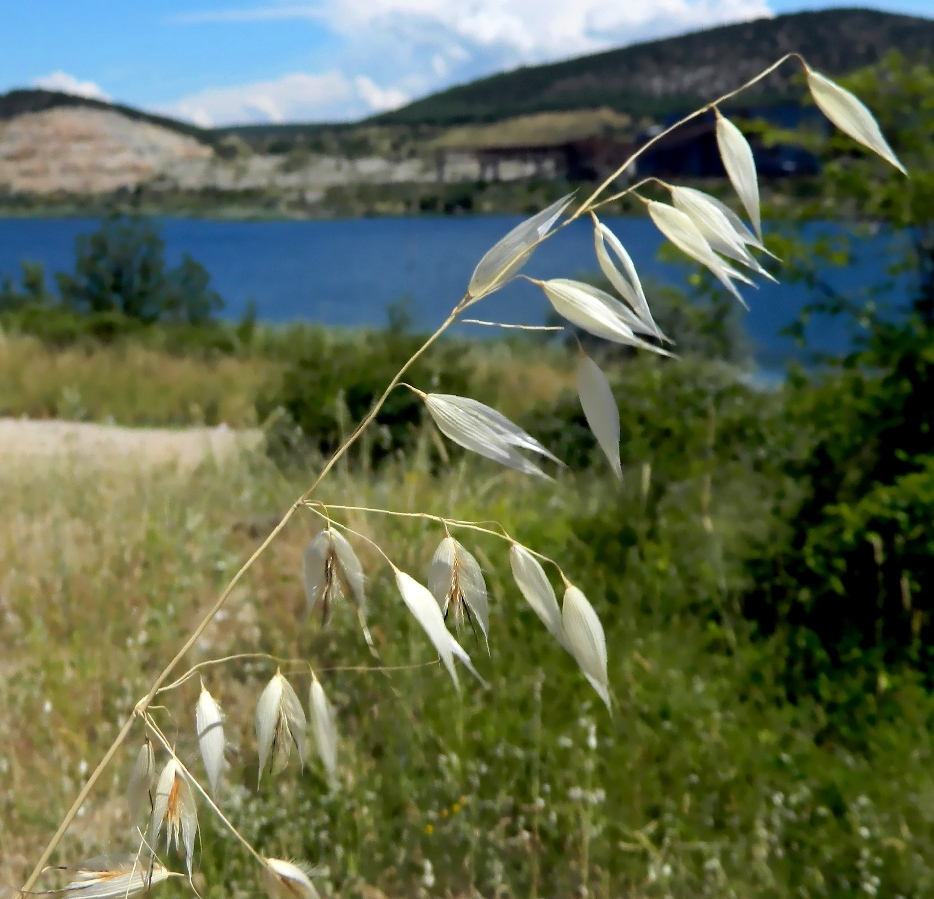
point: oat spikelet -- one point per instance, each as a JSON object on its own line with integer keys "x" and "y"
{"x": 114, "y": 877}
{"x": 280, "y": 724}
{"x": 586, "y": 640}
{"x": 331, "y": 570}
{"x": 456, "y": 582}
{"x": 139, "y": 790}
{"x": 209, "y": 725}
{"x": 174, "y": 807}
{"x": 509, "y": 254}
{"x": 324, "y": 729}
{"x": 287, "y": 880}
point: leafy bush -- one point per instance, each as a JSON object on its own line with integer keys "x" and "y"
{"x": 333, "y": 382}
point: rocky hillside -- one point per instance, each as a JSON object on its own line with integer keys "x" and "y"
{"x": 670, "y": 75}
{"x": 87, "y": 150}
{"x": 59, "y": 146}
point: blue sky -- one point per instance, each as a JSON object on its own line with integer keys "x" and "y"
{"x": 223, "y": 61}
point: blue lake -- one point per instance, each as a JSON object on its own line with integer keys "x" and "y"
{"x": 347, "y": 272}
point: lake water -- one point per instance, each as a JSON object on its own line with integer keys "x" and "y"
{"x": 347, "y": 272}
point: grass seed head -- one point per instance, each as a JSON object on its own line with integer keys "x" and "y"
{"x": 485, "y": 431}
{"x": 280, "y": 724}
{"x": 456, "y": 582}
{"x": 209, "y": 726}
{"x": 428, "y": 614}
{"x": 114, "y": 877}
{"x": 331, "y": 570}
{"x": 740, "y": 166}
{"x": 586, "y": 640}
{"x": 324, "y": 729}
{"x": 600, "y": 409}
{"x": 624, "y": 278}
{"x": 287, "y": 880}
{"x": 537, "y": 591}
{"x": 139, "y": 790}
{"x": 508, "y": 255}
{"x": 174, "y": 807}
{"x": 851, "y": 116}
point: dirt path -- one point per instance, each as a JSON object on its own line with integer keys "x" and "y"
{"x": 23, "y": 440}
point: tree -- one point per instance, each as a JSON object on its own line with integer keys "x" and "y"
{"x": 856, "y": 580}
{"x": 120, "y": 268}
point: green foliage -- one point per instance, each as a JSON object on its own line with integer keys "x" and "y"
{"x": 120, "y": 268}
{"x": 660, "y": 77}
{"x": 851, "y": 585}
{"x": 120, "y": 287}
{"x": 330, "y": 383}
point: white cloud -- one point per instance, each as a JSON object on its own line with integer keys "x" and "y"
{"x": 535, "y": 30}
{"x": 383, "y": 52}
{"x": 68, "y": 84}
{"x": 379, "y": 98}
{"x": 297, "y": 97}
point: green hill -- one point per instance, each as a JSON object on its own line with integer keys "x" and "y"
{"x": 656, "y": 78}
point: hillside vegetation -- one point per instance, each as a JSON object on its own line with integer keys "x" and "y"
{"x": 680, "y": 73}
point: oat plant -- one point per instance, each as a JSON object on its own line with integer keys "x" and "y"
{"x": 165, "y": 797}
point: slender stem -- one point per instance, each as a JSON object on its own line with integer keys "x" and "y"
{"x": 300, "y": 664}
{"x": 143, "y": 704}
{"x": 427, "y": 516}
{"x": 76, "y": 805}
{"x": 466, "y": 302}
{"x": 204, "y": 794}
{"x": 696, "y": 114}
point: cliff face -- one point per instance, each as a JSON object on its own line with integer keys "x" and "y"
{"x": 82, "y": 150}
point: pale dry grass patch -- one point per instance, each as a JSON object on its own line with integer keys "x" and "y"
{"x": 128, "y": 383}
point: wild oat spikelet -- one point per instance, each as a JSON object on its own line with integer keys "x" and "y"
{"x": 586, "y": 640}
{"x": 323, "y": 728}
{"x": 210, "y": 729}
{"x": 330, "y": 570}
{"x": 287, "y": 880}
{"x": 510, "y": 253}
{"x": 175, "y": 807}
{"x": 456, "y": 582}
{"x": 280, "y": 724}
{"x": 139, "y": 790}
{"x": 114, "y": 877}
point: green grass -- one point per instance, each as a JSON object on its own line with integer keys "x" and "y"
{"x": 706, "y": 781}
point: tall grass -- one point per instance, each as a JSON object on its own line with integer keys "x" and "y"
{"x": 706, "y": 782}
{"x": 530, "y": 797}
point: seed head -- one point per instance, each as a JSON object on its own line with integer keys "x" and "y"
{"x": 280, "y": 724}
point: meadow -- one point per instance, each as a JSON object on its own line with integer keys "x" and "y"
{"x": 710, "y": 779}
{"x": 762, "y": 571}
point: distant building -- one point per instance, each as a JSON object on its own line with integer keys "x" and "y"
{"x": 586, "y": 159}
{"x": 690, "y": 151}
